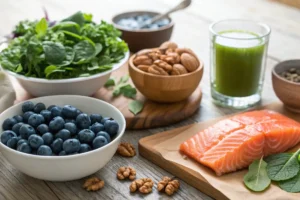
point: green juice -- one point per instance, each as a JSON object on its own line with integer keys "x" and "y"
{"x": 238, "y": 63}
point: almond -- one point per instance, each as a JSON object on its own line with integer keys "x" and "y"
{"x": 189, "y": 62}
{"x": 142, "y": 60}
{"x": 164, "y": 65}
{"x": 168, "y": 44}
{"x": 157, "y": 70}
{"x": 178, "y": 69}
{"x": 187, "y": 50}
{"x": 143, "y": 67}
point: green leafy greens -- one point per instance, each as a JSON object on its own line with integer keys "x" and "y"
{"x": 73, "y": 47}
{"x": 257, "y": 178}
{"x": 135, "y": 106}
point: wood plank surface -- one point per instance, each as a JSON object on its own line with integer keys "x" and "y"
{"x": 191, "y": 30}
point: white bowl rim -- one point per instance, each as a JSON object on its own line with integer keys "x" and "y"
{"x": 121, "y": 131}
{"x": 70, "y": 80}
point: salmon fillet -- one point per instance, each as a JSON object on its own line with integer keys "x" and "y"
{"x": 234, "y": 143}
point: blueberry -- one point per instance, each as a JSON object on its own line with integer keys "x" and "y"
{"x": 83, "y": 121}
{"x": 70, "y": 120}
{"x": 47, "y": 115}
{"x": 12, "y": 143}
{"x": 56, "y": 111}
{"x": 64, "y": 134}
{"x": 8, "y": 123}
{"x": 27, "y": 106}
{"x": 84, "y": 148}
{"x": 27, "y": 115}
{"x": 26, "y": 130}
{"x": 95, "y": 118}
{"x": 104, "y": 134}
{"x": 44, "y": 150}
{"x": 69, "y": 111}
{"x": 35, "y": 141}
{"x": 18, "y": 118}
{"x": 50, "y": 107}
{"x": 16, "y": 128}
{"x": 111, "y": 127}
{"x": 35, "y": 120}
{"x": 48, "y": 138}
{"x": 86, "y": 136}
{"x": 78, "y": 112}
{"x": 56, "y": 124}
{"x": 22, "y": 141}
{"x": 7, "y": 135}
{"x": 62, "y": 153}
{"x": 56, "y": 146}
{"x": 71, "y": 127}
{"x": 104, "y": 119}
{"x": 71, "y": 146}
{"x": 97, "y": 127}
{"x": 42, "y": 128}
{"x": 24, "y": 147}
{"x": 99, "y": 141}
{"x": 39, "y": 107}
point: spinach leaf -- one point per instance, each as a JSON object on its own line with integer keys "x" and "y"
{"x": 257, "y": 178}
{"x": 124, "y": 79}
{"x": 291, "y": 185}
{"x": 67, "y": 26}
{"x": 51, "y": 70}
{"x": 128, "y": 91}
{"x": 41, "y": 27}
{"x": 84, "y": 51}
{"x": 70, "y": 54}
{"x": 110, "y": 82}
{"x": 88, "y": 17}
{"x": 283, "y": 166}
{"x": 77, "y": 18}
{"x": 135, "y": 106}
{"x": 55, "y": 53}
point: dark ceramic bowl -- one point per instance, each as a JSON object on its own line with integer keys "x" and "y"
{"x": 143, "y": 38}
{"x": 287, "y": 91}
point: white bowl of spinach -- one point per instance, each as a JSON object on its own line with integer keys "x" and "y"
{"x": 71, "y": 56}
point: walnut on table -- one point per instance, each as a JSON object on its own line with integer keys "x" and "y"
{"x": 126, "y": 172}
{"x": 168, "y": 185}
{"x": 93, "y": 184}
{"x": 143, "y": 185}
{"x": 126, "y": 149}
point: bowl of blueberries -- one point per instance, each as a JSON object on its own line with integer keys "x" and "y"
{"x": 60, "y": 138}
{"x": 149, "y": 36}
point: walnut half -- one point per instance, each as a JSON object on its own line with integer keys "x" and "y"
{"x": 93, "y": 184}
{"x": 144, "y": 185}
{"x": 126, "y": 149}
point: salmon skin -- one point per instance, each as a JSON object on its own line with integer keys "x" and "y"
{"x": 234, "y": 143}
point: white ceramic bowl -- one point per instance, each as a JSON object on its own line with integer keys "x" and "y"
{"x": 65, "y": 168}
{"x": 85, "y": 86}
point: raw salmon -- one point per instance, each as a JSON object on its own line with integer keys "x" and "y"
{"x": 234, "y": 143}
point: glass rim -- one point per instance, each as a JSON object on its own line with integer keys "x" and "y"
{"x": 265, "y": 26}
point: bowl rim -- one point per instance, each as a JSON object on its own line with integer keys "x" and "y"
{"x": 169, "y": 25}
{"x": 131, "y": 65}
{"x": 279, "y": 65}
{"x": 70, "y": 80}
{"x": 67, "y": 157}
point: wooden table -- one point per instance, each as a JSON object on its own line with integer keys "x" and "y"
{"x": 191, "y": 30}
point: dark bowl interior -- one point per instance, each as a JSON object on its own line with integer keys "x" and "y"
{"x": 285, "y": 66}
{"x": 144, "y": 38}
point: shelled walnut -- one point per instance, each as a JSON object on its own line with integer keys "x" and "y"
{"x": 93, "y": 184}
{"x": 126, "y": 149}
{"x": 168, "y": 185}
{"x": 167, "y": 60}
{"x": 126, "y": 172}
{"x": 143, "y": 185}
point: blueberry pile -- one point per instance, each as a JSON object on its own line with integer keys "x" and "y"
{"x": 134, "y": 22}
{"x": 57, "y": 130}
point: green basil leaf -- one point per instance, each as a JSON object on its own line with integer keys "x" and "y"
{"x": 128, "y": 91}
{"x": 283, "y": 166}
{"x": 110, "y": 82}
{"x": 77, "y": 18}
{"x": 135, "y": 106}
{"x": 84, "y": 51}
{"x": 55, "y": 52}
{"x": 291, "y": 185}
{"x": 257, "y": 178}
{"x": 41, "y": 27}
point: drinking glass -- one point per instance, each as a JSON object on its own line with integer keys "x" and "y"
{"x": 238, "y": 50}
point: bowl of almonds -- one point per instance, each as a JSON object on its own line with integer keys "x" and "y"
{"x": 166, "y": 74}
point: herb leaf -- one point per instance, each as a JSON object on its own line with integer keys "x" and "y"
{"x": 55, "y": 52}
{"x": 124, "y": 79}
{"x": 84, "y": 51}
{"x": 110, "y": 82}
{"x": 283, "y": 166}
{"x": 128, "y": 91}
{"x": 41, "y": 27}
{"x": 135, "y": 106}
{"x": 291, "y": 185}
{"x": 257, "y": 178}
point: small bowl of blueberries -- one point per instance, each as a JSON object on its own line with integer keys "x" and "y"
{"x": 149, "y": 36}
{"x": 60, "y": 138}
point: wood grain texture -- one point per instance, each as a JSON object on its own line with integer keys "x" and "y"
{"x": 190, "y": 30}
{"x": 153, "y": 114}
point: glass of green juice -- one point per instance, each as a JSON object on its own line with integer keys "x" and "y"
{"x": 238, "y": 50}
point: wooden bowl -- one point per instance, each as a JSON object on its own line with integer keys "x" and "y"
{"x": 145, "y": 38}
{"x": 165, "y": 89}
{"x": 287, "y": 91}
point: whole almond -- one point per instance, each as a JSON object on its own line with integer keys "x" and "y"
{"x": 164, "y": 65}
{"x": 157, "y": 70}
{"x": 178, "y": 69}
{"x": 189, "y": 62}
{"x": 143, "y": 67}
{"x": 144, "y": 52}
{"x": 168, "y": 44}
{"x": 142, "y": 60}
{"x": 187, "y": 50}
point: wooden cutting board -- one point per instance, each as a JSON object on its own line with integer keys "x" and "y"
{"x": 153, "y": 114}
{"x": 148, "y": 149}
